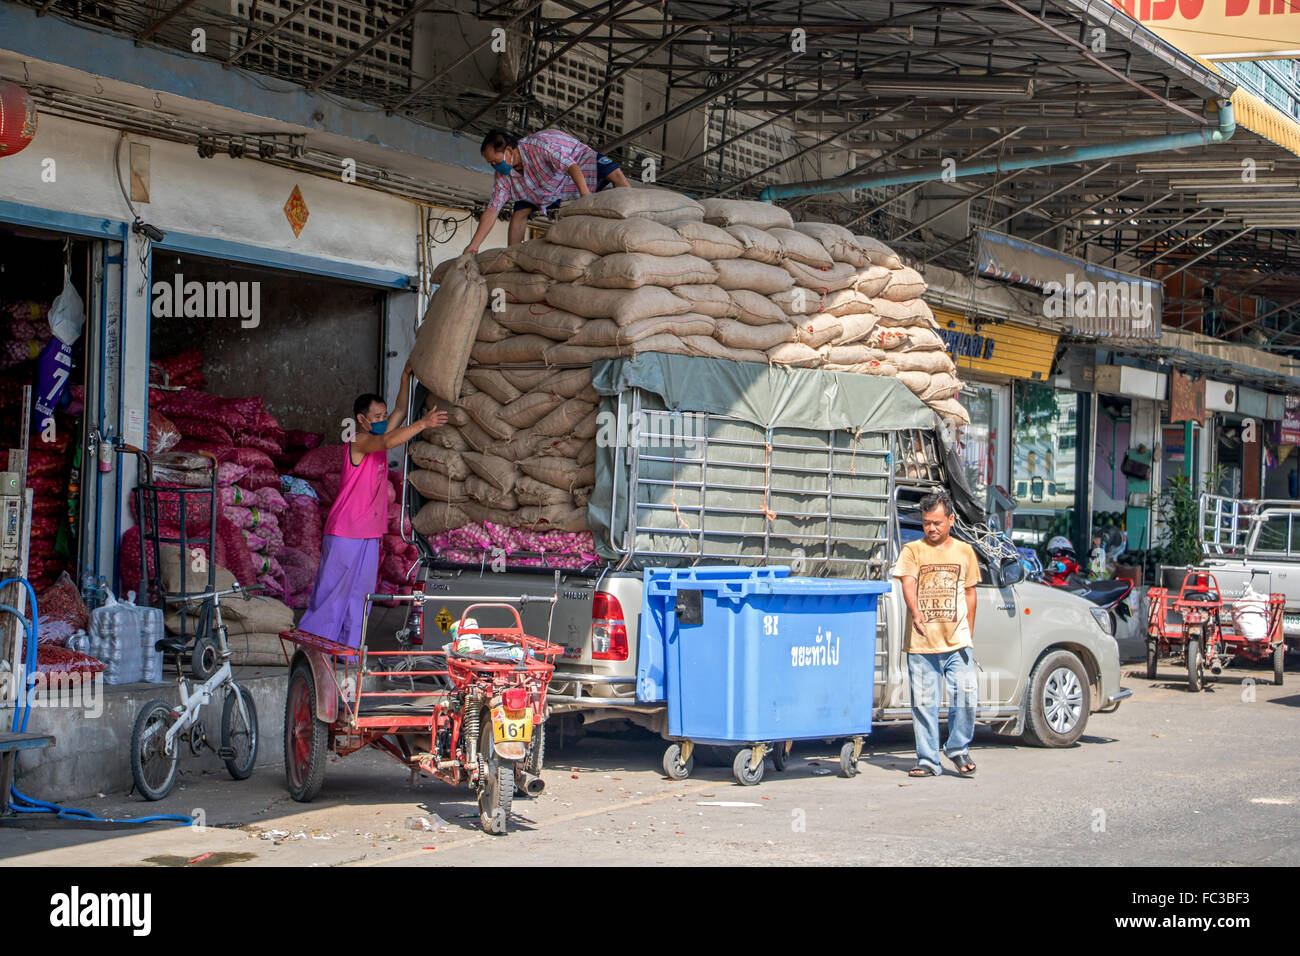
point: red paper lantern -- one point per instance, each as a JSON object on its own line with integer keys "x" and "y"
{"x": 17, "y": 119}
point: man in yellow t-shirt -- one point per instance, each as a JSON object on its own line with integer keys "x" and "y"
{"x": 939, "y": 574}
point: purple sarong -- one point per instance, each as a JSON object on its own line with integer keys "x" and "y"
{"x": 348, "y": 569}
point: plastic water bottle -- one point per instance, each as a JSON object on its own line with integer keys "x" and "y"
{"x": 116, "y": 640}
{"x": 151, "y": 632}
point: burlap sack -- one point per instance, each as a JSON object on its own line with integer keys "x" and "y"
{"x": 631, "y": 270}
{"x": 746, "y": 212}
{"x": 933, "y": 361}
{"x": 582, "y": 496}
{"x": 711, "y": 348}
{"x": 755, "y": 309}
{"x": 507, "y": 287}
{"x": 445, "y": 437}
{"x": 540, "y": 318}
{"x": 516, "y": 350}
{"x": 491, "y": 380}
{"x": 493, "y": 261}
{"x": 872, "y": 280}
{"x": 456, "y": 417}
{"x": 795, "y": 354}
{"x": 530, "y": 491}
{"x": 604, "y": 332}
{"x": 856, "y": 327}
{"x": 569, "y": 383}
{"x": 739, "y": 335}
{"x": 795, "y": 245}
{"x": 490, "y": 330}
{"x": 586, "y": 429}
{"x": 818, "y": 330}
{"x": 559, "y": 472}
{"x": 563, "y": 420}
{"x": 561, "y": 263}
{"x": 477, "y": 438}
{"x": 530, "y": 408}
{"x": 497, "y": 471}
{"x": 904, "y": 284}
{"x": 566, "y": 354}
{"x": 481, "y": 514}
{"x": 847, "y": 302}
{"x": 930, "y": 387}
{"x": 436, "y": 486}
{"x": 661, "y": 205}
{"x": 444, "y": 460}
{"x": 879, "y": 254}
{"x": 799, "y": 301}
{"x": 485, "y": 412}
{"x": 888, "y": 339}
{"x": 836, "y": 240}
{"x": 489, "y": 495}
{"x": 709, "y": 242}
{"x": 523, "y": 444}
{"x": 840, "y": 275}
{"x": 843, "y": 355}
{"x": 608, "y": 236}
{"x": 710, "y": 300}
{"x": 439, "y": 516}
{"x": 864, "y": 368}
{"x": 756, "y": 244}
{"x": 527, "y": 379}
{"x": 755, "y": 276}
{"x": 903, "y": 314}
{"x": 552, "y": 518}
{"x": 921, "y": 337}
{"x": 952, "y": 410}
{"x": 444, "y": 341}
{"x": 568, "y": 446}
{"x": 621, "y": 305}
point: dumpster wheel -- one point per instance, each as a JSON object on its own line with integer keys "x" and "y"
{"x": 679, "y": 760}
{"x": 746, "y": 769}
{"x": 850, "y": 754}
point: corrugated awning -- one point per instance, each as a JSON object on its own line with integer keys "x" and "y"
{"x": 1262, "y": 118}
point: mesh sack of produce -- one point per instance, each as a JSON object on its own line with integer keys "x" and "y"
{"x": 661, "y": 205}
{"x": 444, "y": 339}
{"x": 259, "y": 478}
{"x": 302, "y": 524}
{"x": 251, "y": 457}
{"x": 296, "y": 438}
{"x": 270, "y": 500}
{"x": 320, "y": 461}
{"x": 62, "y": 611}
{"x": 162, "y": 434}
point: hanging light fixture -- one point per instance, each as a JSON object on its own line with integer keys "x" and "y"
{"x": 17, "y": 119}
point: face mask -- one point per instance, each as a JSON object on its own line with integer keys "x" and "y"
{"x": 504, "y": 168}
{"x": 378, "y": 428}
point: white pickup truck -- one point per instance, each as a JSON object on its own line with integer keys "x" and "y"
{"x": 1255, "y": 542}
{"x": 830, "y": 502}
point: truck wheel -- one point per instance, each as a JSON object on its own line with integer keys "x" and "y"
{"x": 1059, "y": 701}
{"x": 1279, "y": 664}
{"x": 1194, "y": 665}
{"x": 674, "y": 768}
{"x": 1153, "y": 657}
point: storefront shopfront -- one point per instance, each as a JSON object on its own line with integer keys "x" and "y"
{"x": 999, "y": 363}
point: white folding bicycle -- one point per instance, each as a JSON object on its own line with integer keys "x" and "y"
{"x": 161, "y": 729}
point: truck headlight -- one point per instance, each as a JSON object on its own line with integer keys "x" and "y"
{"x": 1105, "y": 620}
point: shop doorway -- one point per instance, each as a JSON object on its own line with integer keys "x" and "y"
{"x": 1048, "y": 473}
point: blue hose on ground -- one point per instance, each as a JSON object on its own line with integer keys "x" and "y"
{"x": 20, "y": 802}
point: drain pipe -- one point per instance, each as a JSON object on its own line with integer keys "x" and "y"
{"x": 1134, "y": 147}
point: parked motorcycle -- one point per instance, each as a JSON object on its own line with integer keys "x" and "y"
{"x": 1064, "y": 571}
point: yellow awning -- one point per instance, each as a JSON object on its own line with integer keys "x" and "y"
{"x": 1261, "y": 118}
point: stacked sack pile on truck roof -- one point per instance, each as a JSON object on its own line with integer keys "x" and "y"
{"x": 510, "y": 337}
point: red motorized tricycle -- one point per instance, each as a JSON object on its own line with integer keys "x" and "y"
{"x": 469, "y": 716}
{"x": 1199, "y": 628}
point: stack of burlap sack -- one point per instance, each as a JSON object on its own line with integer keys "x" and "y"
{"x": 641, "y": 270}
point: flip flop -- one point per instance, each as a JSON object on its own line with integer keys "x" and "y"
{"x": 920, "y": 771}
{"x": 965, "y": 766}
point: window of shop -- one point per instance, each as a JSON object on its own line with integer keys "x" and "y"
{"x": 981, "y": 444}
{"x": 1047, "y": 474}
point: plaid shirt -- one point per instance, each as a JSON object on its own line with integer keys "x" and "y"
{"x": 545, "y": 178}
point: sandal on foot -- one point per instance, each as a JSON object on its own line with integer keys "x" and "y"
{"x": 920, "y": 771}
{"x": 965, "y": 766}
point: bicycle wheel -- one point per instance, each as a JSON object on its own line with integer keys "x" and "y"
{"x": 152, "y": 768}
{"x": 239, "y": 733}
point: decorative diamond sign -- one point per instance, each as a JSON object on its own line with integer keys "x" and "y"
{"x": 295, "y": 210}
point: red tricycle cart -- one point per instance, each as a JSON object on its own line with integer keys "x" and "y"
{"x": 1195, "y": 626}
{"x": 470, "y": 717}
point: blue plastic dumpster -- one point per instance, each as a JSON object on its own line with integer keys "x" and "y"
{"x": 753, "y": 656}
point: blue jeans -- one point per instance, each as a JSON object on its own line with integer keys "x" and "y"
{"x": 956, "y": 669}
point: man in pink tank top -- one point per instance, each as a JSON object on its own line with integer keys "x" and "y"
{"x": 358, "y": 518}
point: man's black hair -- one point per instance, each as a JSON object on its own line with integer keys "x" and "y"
{"x": 498, "y": 139}
{"x": 364, "y": 401}
{"x": 937, "y": 499}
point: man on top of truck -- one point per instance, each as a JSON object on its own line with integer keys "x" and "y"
{"x": 938, "y": 575}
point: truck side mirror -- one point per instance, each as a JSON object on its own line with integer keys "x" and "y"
{"x": 1010, "y": 571}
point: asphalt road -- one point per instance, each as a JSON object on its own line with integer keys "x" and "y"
{"x": 1209, "y": 779}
